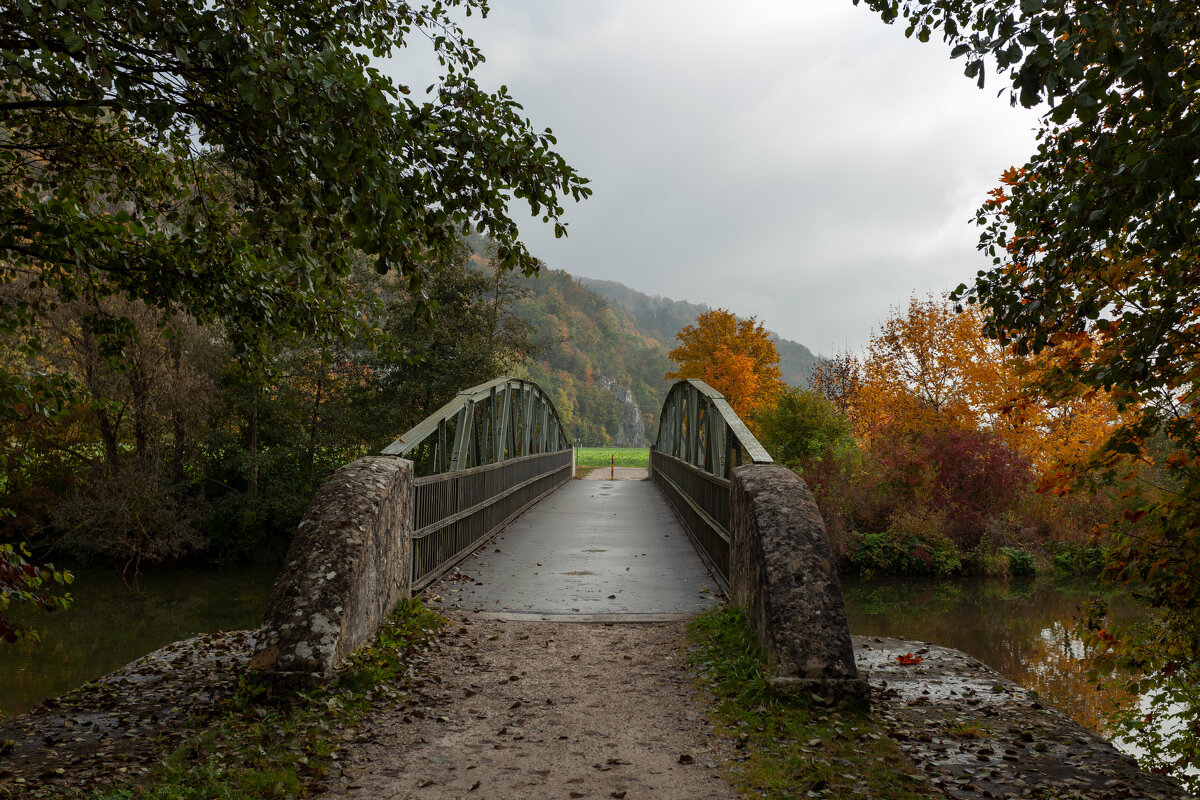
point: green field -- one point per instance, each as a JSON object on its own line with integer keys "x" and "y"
{"x": 601, "y": 456}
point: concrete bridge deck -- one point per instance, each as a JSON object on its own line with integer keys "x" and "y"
{"x": 593, "y": 551}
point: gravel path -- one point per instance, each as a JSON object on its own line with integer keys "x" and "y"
{"x": 543, "y": 710}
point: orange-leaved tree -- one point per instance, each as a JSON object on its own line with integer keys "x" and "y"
{"x": 735, "y": 357}
{"x": 929, "y": 365}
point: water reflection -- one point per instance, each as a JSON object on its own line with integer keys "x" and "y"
{"x": 1022, "y": 629}
{"x": 111, "y": 624}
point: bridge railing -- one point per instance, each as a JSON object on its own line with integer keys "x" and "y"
{"x": 700, "y": 440}
{"x": 456, "y": 511}
{"x": 385, "y": 526}
{"x": 480, "y": 460}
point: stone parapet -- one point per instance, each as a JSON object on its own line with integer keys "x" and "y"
{"x": 782, "y": 572}
{"x": 348, "y": 565}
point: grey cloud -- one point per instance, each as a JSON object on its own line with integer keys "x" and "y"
{"x": 799, "y": 161}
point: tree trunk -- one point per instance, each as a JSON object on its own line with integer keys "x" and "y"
{"x": 178, "y": 424}
{"x": 312, "y": 425}
{"x": 108, "y": 427}
{"x": 252, "y": 446}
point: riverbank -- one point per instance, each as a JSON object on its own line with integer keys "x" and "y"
{"x": 112, "y": 622}
{"x": 475, "y": 701}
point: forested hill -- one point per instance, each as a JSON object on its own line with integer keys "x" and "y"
{"x": 600, "y": 337}
{"x": 591, "y": 351}
{"x": 663, "y": 317}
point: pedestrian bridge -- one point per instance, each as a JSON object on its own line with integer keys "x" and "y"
{"x": 499, "y": 450}
{"x": 497, "y": 459}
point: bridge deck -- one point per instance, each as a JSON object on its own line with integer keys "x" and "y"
{"x": 592, "y": 551}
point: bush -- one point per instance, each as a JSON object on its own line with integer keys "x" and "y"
{"x": 130, "y": 516}
{"x": 1020, "y": 563}
{"x": 1078, "y": 559}
{"x": 914, "y": 544}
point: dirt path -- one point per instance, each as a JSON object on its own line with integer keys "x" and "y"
{"x": 543, "y": 710}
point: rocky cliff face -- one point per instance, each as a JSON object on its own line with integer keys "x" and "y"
{"x": 633, "y": 430}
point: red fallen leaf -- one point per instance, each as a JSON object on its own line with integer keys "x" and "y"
{"x": 909, "y": 658}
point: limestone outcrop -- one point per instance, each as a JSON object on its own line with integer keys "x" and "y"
{"x": 632, "y": 431}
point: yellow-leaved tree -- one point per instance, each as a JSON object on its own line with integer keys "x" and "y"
{"x": 735, "y": 357}
{"x": 929, "y": 365}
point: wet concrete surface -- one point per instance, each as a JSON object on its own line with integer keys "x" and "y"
{"x": 610, "y": 548}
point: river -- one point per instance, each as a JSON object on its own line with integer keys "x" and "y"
{"x": 112, "y": 623}
{"x": 1021, "y": 629}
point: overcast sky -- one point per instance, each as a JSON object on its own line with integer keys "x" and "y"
{"x": 796, "y": 160}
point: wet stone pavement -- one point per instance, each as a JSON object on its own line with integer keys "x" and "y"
{"x": 976, "y": 734}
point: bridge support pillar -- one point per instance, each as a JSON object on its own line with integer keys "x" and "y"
{"x": 348, "y": 566}
{"x": 783, "y": 574}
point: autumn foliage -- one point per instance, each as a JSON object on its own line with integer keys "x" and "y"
{"x": 735, "y": 357}
{"x": 951, "y": 446}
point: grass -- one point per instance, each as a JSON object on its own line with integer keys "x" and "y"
{"x": 787, "y": 746}
{"x": 602, "y": 456}
{"x": 264, "y": 746}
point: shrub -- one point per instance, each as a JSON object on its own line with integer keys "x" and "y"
{"x": 130, "y": 516}
{"x": 1020, "y": 563}
{"x": 914, "y": 544}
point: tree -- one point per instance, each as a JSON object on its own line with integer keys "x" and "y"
{"x": 838, "y": 380}
{"x": 1094, "y": 242}
{"x": 229, "y": 160}
{"x": 928, "y": 361}
{"x": 475, "y": 337}
{"x": 735, "y": 357}
{"x": 229, "y": 157}
{"x": 804, "y": 429}
{"x": 930, "y": 365}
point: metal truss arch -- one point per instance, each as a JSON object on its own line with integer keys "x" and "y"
{"x": 699, "y": 427}
{"x": 493, "y": 422}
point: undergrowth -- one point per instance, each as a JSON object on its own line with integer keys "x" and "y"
{"x": 789, "y": 746}
{"x": 273, "y": 745}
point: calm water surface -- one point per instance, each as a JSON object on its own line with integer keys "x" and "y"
{"x": 1021, "y": 629}
{"x": 111, "y": 624}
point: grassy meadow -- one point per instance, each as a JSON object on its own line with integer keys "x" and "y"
{"x": 588, "y": 457}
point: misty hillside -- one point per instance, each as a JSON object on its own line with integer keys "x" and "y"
{"x": 663, "y": 317}
{"x": 604, "y": 351}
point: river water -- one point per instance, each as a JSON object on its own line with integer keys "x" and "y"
{"x": 1021, "y": 629}
{"x": 112, "y": 623}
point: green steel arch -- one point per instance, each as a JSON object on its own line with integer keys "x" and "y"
{"x": 493, "y": 422}
{"x": 480, "y": 461}
{"x": 699, "y": 427}
{"x": 700, "y": 440}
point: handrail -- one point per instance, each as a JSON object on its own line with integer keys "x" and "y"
{"x": 490, "y": 423}
{"x": 700, "y": 428}
{"x": 479, "y": 461}
{"x": 700, "y": 440}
